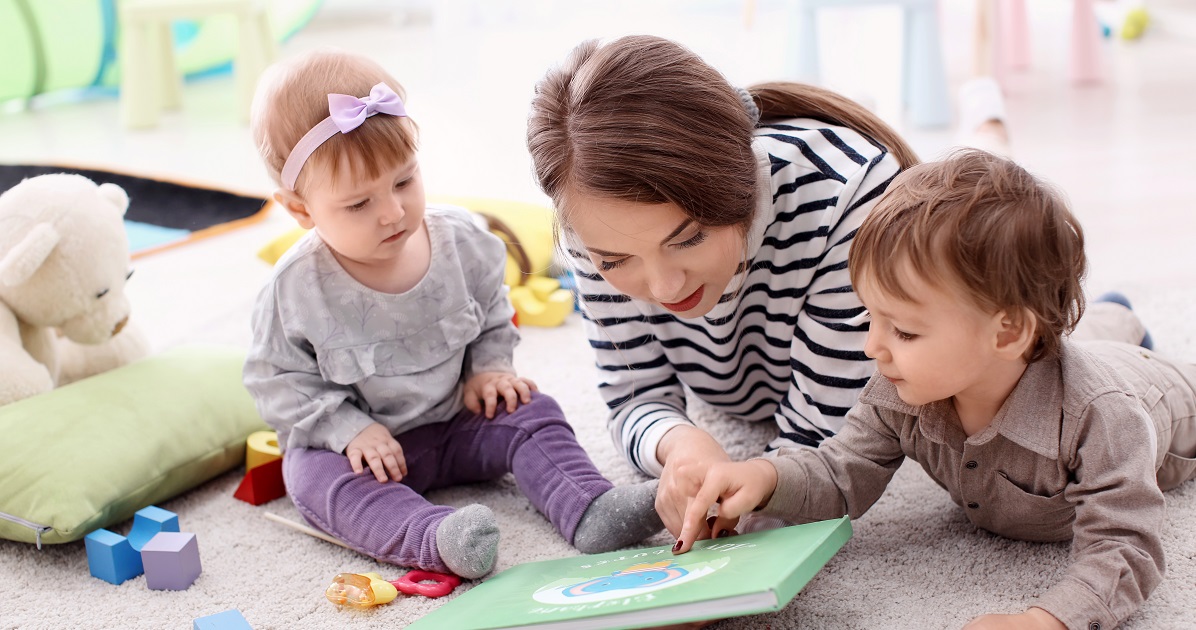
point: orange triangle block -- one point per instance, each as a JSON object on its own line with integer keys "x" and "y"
{"x": 262, "y": 484}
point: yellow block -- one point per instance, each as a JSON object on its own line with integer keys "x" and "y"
{"x": 547, "y": 311}
{"x": 261, "y": 448}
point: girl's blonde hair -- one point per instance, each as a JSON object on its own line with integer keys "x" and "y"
{"x": 984, "y": 227}
{"x": 292, "y": 97}
{"x": 644, "y": 119}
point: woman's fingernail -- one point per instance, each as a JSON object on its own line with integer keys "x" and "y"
{"x": 724, "y": 533}
{"x": 677, "y": 547}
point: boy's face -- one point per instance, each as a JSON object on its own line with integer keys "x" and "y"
{"x": 936, "y": 348}
{"x": 367, "y": 222}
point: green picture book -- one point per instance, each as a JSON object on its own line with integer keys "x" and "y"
{"x": 740, "y": 575}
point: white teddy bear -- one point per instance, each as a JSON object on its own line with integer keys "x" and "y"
{"x": 64, "y": 261}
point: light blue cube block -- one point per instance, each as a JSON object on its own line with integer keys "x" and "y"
{"x": 149, "y": 521}
{"x": 110, "y": 557}
{"x": 227, "y": 620}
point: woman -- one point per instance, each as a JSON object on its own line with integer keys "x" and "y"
{"x": 709, "y": 227}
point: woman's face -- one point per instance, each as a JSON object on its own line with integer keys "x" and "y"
{"x": 655, "y": 253}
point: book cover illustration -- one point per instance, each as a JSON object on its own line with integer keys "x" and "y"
{"x": 635, "y": 580}
{"x": 744, "y": 574}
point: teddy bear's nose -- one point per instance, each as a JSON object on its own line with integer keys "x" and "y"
{"x": 119, "y": 326}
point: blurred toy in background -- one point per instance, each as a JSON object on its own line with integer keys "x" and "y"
{"x": 540, "y": 290}
{"x": 537, "y": 296}
{"x": 64, "y": 262}
{"x": 1126, "y": 19}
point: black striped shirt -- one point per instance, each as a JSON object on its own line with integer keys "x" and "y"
{"x": 789, "y": 343}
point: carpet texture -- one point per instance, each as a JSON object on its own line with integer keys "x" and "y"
{"x": 161, "y": 214}
{"x": 914, "y": 561}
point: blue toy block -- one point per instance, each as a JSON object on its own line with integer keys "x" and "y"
{"x": 171, "y": 561}
{"x": 110, "y": 557}
{"x": 149, "y": 521}
{"x": 227, "y": 620}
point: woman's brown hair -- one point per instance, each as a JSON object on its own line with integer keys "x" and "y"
{"x": 986, "y": 228}
{"x": 646, "y": 120}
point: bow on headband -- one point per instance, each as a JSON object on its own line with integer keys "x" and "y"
{"x": 345, "y": 113}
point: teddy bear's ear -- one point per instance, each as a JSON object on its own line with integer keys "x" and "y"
{"x": 20, "y": 263}
{"x": 116, "y": 195}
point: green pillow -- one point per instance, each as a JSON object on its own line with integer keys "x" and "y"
{"x": 90, "y": 454}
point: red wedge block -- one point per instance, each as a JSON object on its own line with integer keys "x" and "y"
{"x": 262, "y": 484}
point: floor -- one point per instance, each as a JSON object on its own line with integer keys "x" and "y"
{"x": 1121, "y": 149}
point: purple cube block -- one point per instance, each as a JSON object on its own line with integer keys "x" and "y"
{"x": 171, "y": 561}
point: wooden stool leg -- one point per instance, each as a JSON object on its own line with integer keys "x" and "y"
{"x": 255, "y": 51}
{"x": 138, "y": 98}
{"x": 170, "y": 83}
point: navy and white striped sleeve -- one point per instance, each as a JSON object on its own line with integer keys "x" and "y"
{"x": 829, "y": 367}
{"x": 638, "y": 383}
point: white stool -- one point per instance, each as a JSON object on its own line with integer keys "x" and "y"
{"x": 150, "y": 82}
{"x": 923, "y": 74}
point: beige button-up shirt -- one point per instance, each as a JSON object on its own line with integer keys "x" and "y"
{"x": 1072, "y": 454}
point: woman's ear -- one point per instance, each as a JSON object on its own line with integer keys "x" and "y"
{"x": 295, "y": 207}
{"x": 1015, "y": 336}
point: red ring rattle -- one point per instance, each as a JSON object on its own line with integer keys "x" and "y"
{"x": 412, "y": 583}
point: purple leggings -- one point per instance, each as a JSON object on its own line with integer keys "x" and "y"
{"x": 394, "y": 523}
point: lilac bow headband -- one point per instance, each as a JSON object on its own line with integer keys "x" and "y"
{"x": 345, "y": 113}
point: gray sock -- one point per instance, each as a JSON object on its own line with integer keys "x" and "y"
{"x": 467, "y": 541}
{"x": 622, "y": 516}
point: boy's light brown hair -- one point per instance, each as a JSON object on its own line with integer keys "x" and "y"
{"x": 292, "y": 97}
{"x": 983, "y": 227}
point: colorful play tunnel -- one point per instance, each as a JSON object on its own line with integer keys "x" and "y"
{"x": 68, "y": 47}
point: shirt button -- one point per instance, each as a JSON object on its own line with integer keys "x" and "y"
{"x": 973, "y": 505}
{"x": 1095, "y": 625}
{"x": 971, "y": 465}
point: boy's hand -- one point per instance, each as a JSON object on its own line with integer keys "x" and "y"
{"x": 484, "y": 389}
{"x": 379, "y": 449}
{"x": 1032, "y": 619}
{"x": 737, "y": 488}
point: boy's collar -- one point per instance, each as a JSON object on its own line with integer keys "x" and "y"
{"x": 1032, "y": 415}
{"x": 1038, "y": 394}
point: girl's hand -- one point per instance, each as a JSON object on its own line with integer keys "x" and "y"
{"x": 380, "y": 450}
{"x": 687, "y": 452}
{"x": 737, "y": 488}
{"x": 484, "y": 388}
{"x": 1032, "y": 619}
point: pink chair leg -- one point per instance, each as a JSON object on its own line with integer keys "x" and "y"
{"x": 1086, "y": 64}
{"x": 1017, "y": 32}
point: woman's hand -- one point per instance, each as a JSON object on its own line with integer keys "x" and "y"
{"x": 380, "y": 450}
{"x": 686, "y": 452}
{"x": 1032, "y": 619}
{"x": 484, "y": 389}
{"x": 737, "y": 488}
